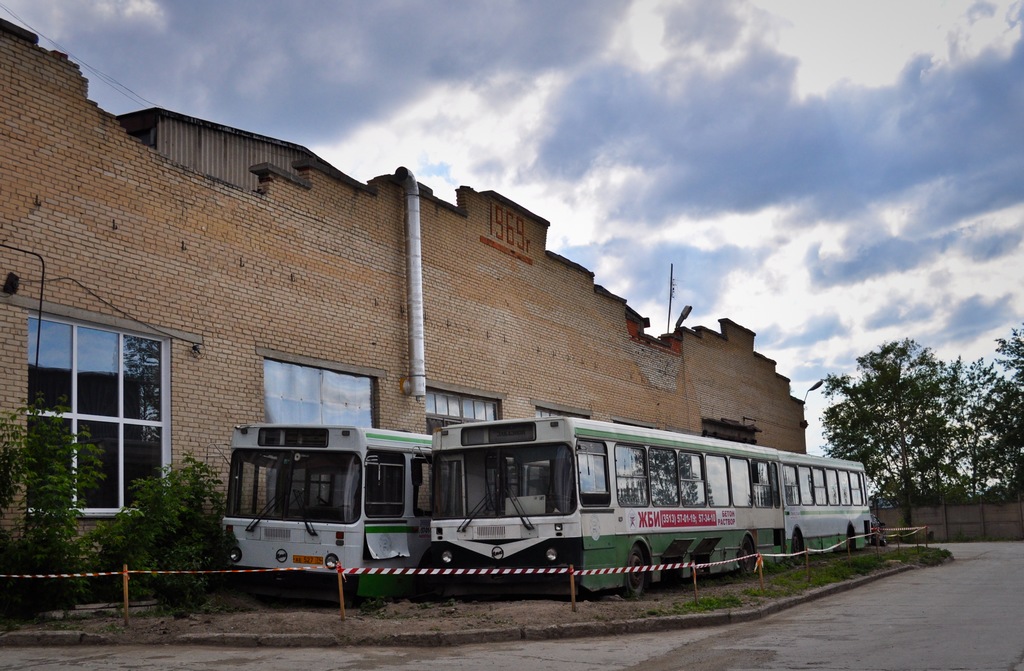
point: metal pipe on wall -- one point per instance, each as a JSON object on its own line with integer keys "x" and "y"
{"x": 415, "y": 384}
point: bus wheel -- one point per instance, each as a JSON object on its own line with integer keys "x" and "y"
{"x": 636, "y": 581}
{"x": 797, "y": 544}
{"x": 747, "y": 549}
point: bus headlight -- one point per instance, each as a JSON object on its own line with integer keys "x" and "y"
{"x": 446, "y": 557}
{"x": 551, "y": 554}
{"x": 331, "y": 560}
{"x": 235, "y": 555}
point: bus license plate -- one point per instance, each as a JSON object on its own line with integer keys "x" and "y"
{"x": 307, "y": 559}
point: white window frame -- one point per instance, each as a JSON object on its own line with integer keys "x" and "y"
{"x": 78, "y": 419}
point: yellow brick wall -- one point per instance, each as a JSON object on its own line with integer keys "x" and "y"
{"x": 317, "y": 269}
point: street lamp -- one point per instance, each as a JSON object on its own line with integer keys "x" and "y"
{"x": 813, "y": 387}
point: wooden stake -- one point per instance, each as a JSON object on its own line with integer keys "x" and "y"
{"x": 341, "y": 590}
{"x": 572, "y": 587}
{"x": 124, "y": 589}
{"x": 807, "y": 561}
{"x": 760, "y": 569}
{"x": 693, "y": 572}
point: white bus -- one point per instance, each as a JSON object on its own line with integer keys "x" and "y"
{"x": 555, "y": 492}
{"x": 825, "y": 501}
{"x": 315, "y": 496}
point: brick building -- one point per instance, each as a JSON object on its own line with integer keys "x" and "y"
{"x": 176, "y": 304}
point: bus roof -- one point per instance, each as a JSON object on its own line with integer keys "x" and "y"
{"x": 249, "y": 435}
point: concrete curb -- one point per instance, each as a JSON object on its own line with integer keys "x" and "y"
{"x": 43, "y": 638}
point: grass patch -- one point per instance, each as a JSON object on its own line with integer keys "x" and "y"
{"x": 792, "y": 577}
{"x": 704, "y": 605}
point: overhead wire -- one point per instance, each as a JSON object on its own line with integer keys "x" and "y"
{"x": 123, "y": 313}
{"x": 102, "y": 76}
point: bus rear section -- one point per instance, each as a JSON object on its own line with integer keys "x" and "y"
{"x": 304, "y": 500}
{"x": 826, "y": 502}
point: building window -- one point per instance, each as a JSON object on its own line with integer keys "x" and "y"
{"x": 294, "y": 394}
{"x": 115, "y": 387}
{"x": 444, "y": 408}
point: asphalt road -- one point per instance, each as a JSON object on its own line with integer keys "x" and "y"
{"x": 966, "y": 614}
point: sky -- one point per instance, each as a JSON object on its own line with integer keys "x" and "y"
{"x": 830, "y": 175}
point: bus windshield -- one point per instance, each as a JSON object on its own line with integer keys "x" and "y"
{"x": 294, "y": 485}
{"x": 507, "y": 481}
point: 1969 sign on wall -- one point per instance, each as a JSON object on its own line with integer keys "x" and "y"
{"x": 507, "y": 233}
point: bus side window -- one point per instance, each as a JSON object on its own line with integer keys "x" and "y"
{"x": 592, "y": 463}
{"x": 857, "y": 490}
{"x": 718, "y": 481}
{"x": 766, "y": 487}
{"x": 664, "y": 477}
{"x": 791, "y": 485}
{"x": 691, "y": 480}
{"x": 421, "y": 491}
{"x": 806, "y": 486}
{"x": 385, "y": 485}
{"x": 832, "y": 478}
{"x": 820, "y": 498}
{"x": 739, "y": 469}
{"x": 844, "y": 488}
{"x": 631, "y": 475}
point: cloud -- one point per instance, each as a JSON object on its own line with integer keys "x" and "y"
{"x": 985, "y": 246}
{"x": 974, "y": 316}
{"x": 881, "y": 257}
{"x": 815, "y": 330}
{"x": 736, "y": 138}
{"x": 899, "y": 311}
{"x": 642, "y": 269}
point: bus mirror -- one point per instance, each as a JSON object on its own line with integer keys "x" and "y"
{"x": 417, "y": 472}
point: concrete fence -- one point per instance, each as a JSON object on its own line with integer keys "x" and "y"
{"x": 964, "y": 522}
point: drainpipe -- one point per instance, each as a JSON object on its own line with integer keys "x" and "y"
{"x": 415, "y": 384}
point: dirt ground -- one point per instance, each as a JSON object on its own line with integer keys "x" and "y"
{"x": 375, "y": 622}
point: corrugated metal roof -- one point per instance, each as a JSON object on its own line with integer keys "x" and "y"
{"x": 216, "y": 150}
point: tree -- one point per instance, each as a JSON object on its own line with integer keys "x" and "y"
{"x": 970, "y": 403}
{"x": 891, "y": 418}
{"x": 1007, "y": 416}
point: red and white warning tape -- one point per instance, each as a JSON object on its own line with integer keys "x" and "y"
{"x": 474, "y": 571}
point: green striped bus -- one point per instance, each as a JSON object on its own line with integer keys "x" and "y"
{"x": 316, "y": 497}
{"x": 556, "y": 492}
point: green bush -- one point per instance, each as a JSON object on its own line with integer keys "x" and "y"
{"x": 174, "y": 524}
{"x": 45, "y": 471}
